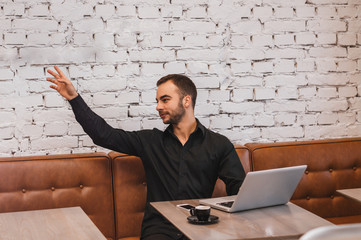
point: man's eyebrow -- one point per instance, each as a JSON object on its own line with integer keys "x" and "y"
{"x": 165, "y": 96}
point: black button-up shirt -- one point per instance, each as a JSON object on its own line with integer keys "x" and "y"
{"x": 173, "y": 171}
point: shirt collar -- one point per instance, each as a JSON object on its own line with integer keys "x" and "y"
{"x": 199, "y": 127}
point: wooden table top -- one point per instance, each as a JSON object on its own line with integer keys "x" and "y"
{"x": 56, "y": 224}
{"x": 279, "y": 222}
{"x": 354, "y": 193}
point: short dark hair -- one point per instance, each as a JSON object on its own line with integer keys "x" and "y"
{"x": 184, "y": 84}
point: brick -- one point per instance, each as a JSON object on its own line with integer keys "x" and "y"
{"x": 285, "y": 106}
{"x": 326, "y": 12}
{"x": 142, "y": 83}
{"x": 354, "y": 25}
{"x": 112, "y": 112}
{"x": 284, "y": 39}
{"x": 8, "y": 54}
{"x": 346, "y": 11}
{"x": 31, "y": 130}
{"x": 172, "y": 40}
{"x": 326, "y": 38}
{"x": 54, "y": 143}
{"x": 220, "y": 122}
{"x": 319, "y": 132}
{"x": 102, "y": 85}
{"x": 262, "y": 40}
{"x": 241, "y": 41}
{"x": 132, "y": 124}
{"x": 346, "y": 39}
{"x": 305, "y": 38}
{"x": 287, "y": 93}
{"x": 80, "y": 71}
{"x": 111, "y": 57}
{"x": 284, "y": 26}
{"x": 347, "y": 91}
{"x": 15, "y": 38}
{"x": 240, "y": 121}
{"x": 355, "y": 103}
{"x": 262, "y": 13}
{"x": 327, "y": 105}
{"x": 324, "y": 66}
{"x": 141, "y": 25}
{"x": 197, "y": 67}
{"x": 14, "y": 9}
{"x": 195, "y": 40}
{"x": 9, "y": 146}
{"x": 103, "y": 71}
{"x": 192, "y": 26}
{"x": 126, "y": 11}
{"x": 7, "y": 132}
{"x": 228, "y": 12}
{"x": 247, "y": 54}
{"x": 104, "y": 40}
{"x": 282, "y": 132}
{"x": 39, "y": 10}
{"x": 149, "y": 96}
{"x": 307, "y": 92}
{"x": 129, "y": 97}
{"x": 7, "y": 118}
{"x": 326, "y": 25}
{"x": 249, "y": 107}
{"x": 354, "y": 53}
{"x": 56, "y": 129}
{"x": 263, "y": 67}
{"x": 148, "y": 12}
{"x": 171, "y": 11}
{"x": 264, "y": 93}
{"x": 153, "y": 55}
{"x": 38, "y": 39}
{"x": 241, "y": 67}
{"x": 216, "y": 41}
{"x": 104, "y": 99}
{"x": 240, "y": 95}
{"x": 82, "y": 38}
{"x": 247, "y": 27}
{"x": 283, "y": 12}
{"x": 206, "y": 109}
{"x": 153, "y": 123}
{"x": 126, "y": 39}
{"x": 219, "y": 95}
{"x": 206, "y": 82}
{"x": 32, "y": 72}
{"x": 54, "y": 100}
{"x": 246, "y": 81}
{"x": 105, "y": 11}
{"x": 6, "y": 74}
{"x": 196, "y": 12}
{"x": 89, "y": 25}
{"x": 149, "y": 69}
{"x": 305, "y": 65}
{"x": 174, "y": 67}
{"x": 284, "y": 53}
{"x": 327, "y": 92}
{"x": 202, "y": 96}
{"x": 264, "y": 120}
{"x": 327, "y": 79}
{"x": 35, "y": 24}
{"x": 327, "y": 118}
{"x": 347, "y": 66}
{"x": 305, "y": 11}
{"x": 199, "y": 54}
{"x": 142, "y": 111}
{"x": 75, "y": 129}
{"x": 328, "y": 52}
{"x": 284, "y": 66}
{"x": 307, "y": 119}
{"x": 285, "y": 119}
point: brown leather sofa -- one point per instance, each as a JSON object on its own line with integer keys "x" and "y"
{"x": 111, "y": 188}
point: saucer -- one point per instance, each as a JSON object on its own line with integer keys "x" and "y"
{"x": 194, "y": 220}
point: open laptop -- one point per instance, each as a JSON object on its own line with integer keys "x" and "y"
{"x": 261, "y": 189}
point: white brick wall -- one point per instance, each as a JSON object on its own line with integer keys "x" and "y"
{"x": 265, "y": 70}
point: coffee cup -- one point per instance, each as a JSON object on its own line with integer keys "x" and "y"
{"x": 201, "y": 212}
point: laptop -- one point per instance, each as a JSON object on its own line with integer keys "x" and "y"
{"x": 261, "y": 189}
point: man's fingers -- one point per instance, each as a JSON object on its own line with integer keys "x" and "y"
{"x": 61, "y": 74}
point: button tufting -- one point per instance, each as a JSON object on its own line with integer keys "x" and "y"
{"x": 354, "y": 168}
{"x": 331, "y": 196}
{"x": 308, "y": 198}
{"x": 81, "y": 186}
{"x": 144, "y": 183}
{"x": 306, "y": 172}
{"x": 23, "y": 190}
{"x": 52, "y": 188}
{"x": 331, "y": 170}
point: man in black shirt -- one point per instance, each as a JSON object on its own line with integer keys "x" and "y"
{"x": 183, "y": 162}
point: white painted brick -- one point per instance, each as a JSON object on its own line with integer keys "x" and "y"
{"x": 328, "y": 52}
{"x": 287, "y": 93}
{"x": 354, "y": 25}
{"x": 354, "y": 53}
{"x": 247, "y": 27}
{"x": 358, "y": 38}
{"x": 114, "y": 84}
{"x": 112, "y": 112}
{"x": 132, "y": 124}
{"x": 284, "y": 53}
{"x": 54, "y": 100}
{"x": 7, "y": 88}
{"x": 104, "y": 71}
{"x": 172, "y": 40}
{"x": 126, "y": 11}
{"x": 38, "y": 39}
{"x": 153, "y": 55}
{"x": 326, "y": 12}
{"x": 248, "y": 135}
{"x": 285, "y": 106}
{"x": 282, "y": 132}
{"x": 7, "y": 132}
{"x": 355, "y": 78}
{"x": 327, "y": 105}
{"x": 14, "y": 9}
{"x": 128, "y": 69}
{"x": 327, "y": 92}
{"x": 75, "y": 129}
{"x": 35, "y": 24}
{"x": 285, "y": 119}
{"x": 14, "y": 38}
{"x": 229, "y": 13}
{"x": 220, "y": 122}
{"x": 31, "y": 130}
{"x": 71, "y": 11}
{"x": 104, "y": 99}
{"x": 246, "y": 81}
{"x": 346, "y": 39}
{"x": 307, "y": 119}
{"x": 219, "y": 95}
{"x": 200, "y": 55}
{"x": 9, "y": 146}
{"x": 326, "y": 65}
{"x": 326, "y": 38}
{"x": 326, "y": 25}
{"x": 347, "y": 91}
{"x": 31, "y": 101}
{"x": 307, "y": 92}
{"x": 142, "y": 111}
{"x": 125, "y": 39}
{"x": 196, "y": 12}
{"x": 149, "y": 40}
{"x": 6, "y": 74}
{"x": 284, "y": 66}
{"x": 52, "y": 115}
{"x": 31, "y": 72}
{"x": 283, "y": 12}
{"x": 195, "y": 40}
{"x": 306, "y": 38}
{"x": 264, "y": 120}
{"x": 171, "y": 11}
{"x": 149, "y": 69}
{"x": 240, "y": 120}
{"x": 240, "y": 95}
{"x": 241, "y": 67}
{"x": 192, "y": 26}
{"x": 140, "y": 26}
{"x": 262, "y": 40}
{"x": 197, "y": 67}
{"x": 104, "y": 11}
{"x": 284, "y": 26}
{"x": 111, "y": 57}
{"x": 142, "y": 83}
{"x": 202, "y": 96}
{"x": 355, "y": 103}
{"x": 153, "y": 123}
{"x": 284, "y": 39}
{"x": 347, "y": 12}
{"x": 327, "y": 79}
{"x": 148, "y": 12}
{"x": 82, "y": 38}
{"x": 247, "y": 54}
{"x": 347, "y": 118}
{"x": 86, "y": 141}
{"x": 264, "y": 93}
{"x": 305, "y": 65}
{"x": 80, "y": 71}
{"x": 262, "y": 13}
{"x": 241, "y": 41}
{"x": 8, "y": 54}
{"x": 347, "y": 66}
{"x": 359, "y": 64}
{"x": 305, "y": 11}
{"x": 319, "y": 132}
{"x": 148, "y": 96}
{"x": 128, "y": 97}
{"x": 56, "y": 129}
{"x": 54, "y": 143}
{"x": 206, "y": 82}
{"x": 354, "y": 131}
{"x": 327, "y": 118}
{"x": 39, "y": 10}
{"x": 104, "y": 40}
{"x": 89, "y": 25}
{"x": 216, "y": 41}
{"x": 174, "y": 67}
{"x": 206, "y": 109}
{"x": 249, "y": 107}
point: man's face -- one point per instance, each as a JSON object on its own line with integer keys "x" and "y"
{"x": 169, "y": 103}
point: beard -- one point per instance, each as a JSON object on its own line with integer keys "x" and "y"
{"x": 176, "y": 116}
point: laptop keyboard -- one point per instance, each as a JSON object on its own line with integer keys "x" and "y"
{"x": 226, "y": 204}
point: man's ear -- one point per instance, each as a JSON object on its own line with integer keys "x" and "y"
{"x": 187, "y": 101}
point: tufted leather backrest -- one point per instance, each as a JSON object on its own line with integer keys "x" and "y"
{"x": 332, "y": 164}
{"x": 44, "y": 182}
{"x": 130, "y": 190}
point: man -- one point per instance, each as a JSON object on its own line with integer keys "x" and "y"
{"x": 183, "y": 162}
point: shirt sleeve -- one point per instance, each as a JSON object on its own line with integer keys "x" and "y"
{"x": 231, "y": 170}
{"x": 102, "y": 133}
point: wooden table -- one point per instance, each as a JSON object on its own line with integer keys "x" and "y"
{"x": 354, "y": 193}
{"x": 279, "y": 222}
{"x": 60, "y": 223}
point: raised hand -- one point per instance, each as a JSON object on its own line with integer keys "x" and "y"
{"x": 62, "y": 84}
